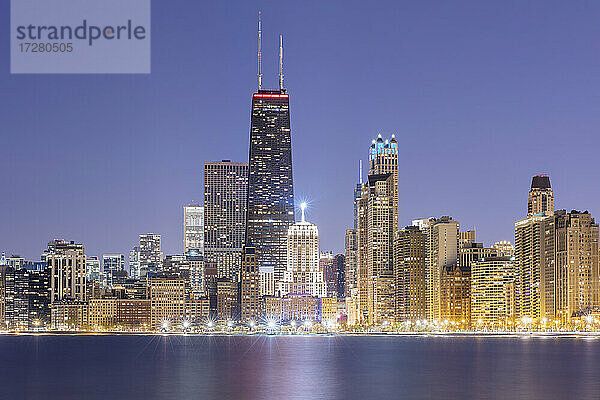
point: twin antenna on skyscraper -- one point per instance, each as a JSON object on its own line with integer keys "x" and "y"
{"x": 260, "y": 56}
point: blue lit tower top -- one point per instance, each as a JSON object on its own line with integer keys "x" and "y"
{"x": 383, "y": 159}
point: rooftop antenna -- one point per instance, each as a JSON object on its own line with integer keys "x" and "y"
{"x": 360, "y": 171}
{"x": 259, "y": 52}
{"x": 281, "y": 63}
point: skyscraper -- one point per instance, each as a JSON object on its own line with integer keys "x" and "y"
{"x": 193, "y": 228}
{"x": 327, "y": 268}
{"x": 442, "y": 252}
{"x": 535, "y": 272}
{"x": 67, "y": 270}
{"x": 150, "y": 255}
{"x": 339, "y": 263}
{"x": 303, "y": 275}
{"x": 92, "y": 266}
{"x": 541, "y": 197}
{"x": 576, "y": 263}
{"x": 377, "y": 224}
{"x": 492, "y": 291}
{"x": 225, "y": 195}
{"x": 270, "y": 180}
{"x": 351, "y": 261}
{"x": 409, "y": 272}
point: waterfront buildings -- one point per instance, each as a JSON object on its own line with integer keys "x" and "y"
{"x": 377, "y": 224}
{"x": 339, "y": 265}
{"x": 351, "y": 273}
{"x": 193, "y": 228}
{"x": 225, "y": 196}
{"x": 410, "y": 274}
{"x": 576, "y": 263}
{"x": 492, "y": 292}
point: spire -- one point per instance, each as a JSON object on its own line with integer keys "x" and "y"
{"x": 360, "y": 171}
{"x": 303, "y": 207}
{"x": 281, "y": 62}
{"x": 259, "y": 52}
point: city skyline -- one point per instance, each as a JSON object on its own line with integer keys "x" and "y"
{"x": 61, "y": 215}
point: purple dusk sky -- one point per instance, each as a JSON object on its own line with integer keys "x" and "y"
{"x": 481, "y": 96}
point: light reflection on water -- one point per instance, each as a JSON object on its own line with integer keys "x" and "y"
{"x": 297, "y": 367}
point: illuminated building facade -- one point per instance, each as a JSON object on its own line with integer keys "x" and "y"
{"x": 270, "y": 180}
{"x": 150, "y": 255}
{"x": 576, "y": 263}
{"x": 66, "y": 263}
{"x": 225, "y": 196}
{"x": 251, "y": 304}
{"x": 193, "y": 228}
{"x": 167, "y": 299}
{"x": 303, "y": 275}
{"x": 409, "y": 273}
{"x": 492, "y": 291}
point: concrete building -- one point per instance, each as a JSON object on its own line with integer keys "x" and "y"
{"x": 492, "y": 292}
{"x": 225, "y": 198}
{"x": 267, "y": 280}
{"x": 193, "y": 228}
{"x": 410, "y": 273}
{"x": 576, "y": 263}
{"x": 535, "y": 271}
{"x": 167, "y": 299}
{"x": 66, "y": 262}
{"x": 92, "y": 267}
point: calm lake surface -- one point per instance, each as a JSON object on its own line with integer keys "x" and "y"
{"x": 298, "y": 367}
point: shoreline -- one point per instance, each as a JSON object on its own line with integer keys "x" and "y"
{"x": 565, "y": 335}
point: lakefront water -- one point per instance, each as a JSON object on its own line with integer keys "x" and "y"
{"x": 298, "y": 367}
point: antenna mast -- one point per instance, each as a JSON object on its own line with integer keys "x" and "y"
{"x": 259, "y": 52}
{"x": 360, "y": 171}
{"x": 281, "y": 63}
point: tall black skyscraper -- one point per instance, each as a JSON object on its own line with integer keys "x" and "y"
{"x": 270, "y": 203}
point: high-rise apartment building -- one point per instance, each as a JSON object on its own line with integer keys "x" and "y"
{"x": 492, "y": 292}
{"x": 251, "y": 309}
{"x": 225, "y": 196}
{"x": 66, "y": 264}
{"x": 442, "y": 252}
{"x": 535, "y": 270}
{"x": 541, "y": 197}
{"x": 150, "y": 255}
{"x": 134, "y": 262}
{"x": 576, "y": 263}
{"x": 377, "y": 224}
{"x": 409, "y": 273}
{"x": 193, "y": 228}
{"x": 167, "y": 298}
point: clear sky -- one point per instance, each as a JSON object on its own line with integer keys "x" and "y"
{"x": 481, "y": 96}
